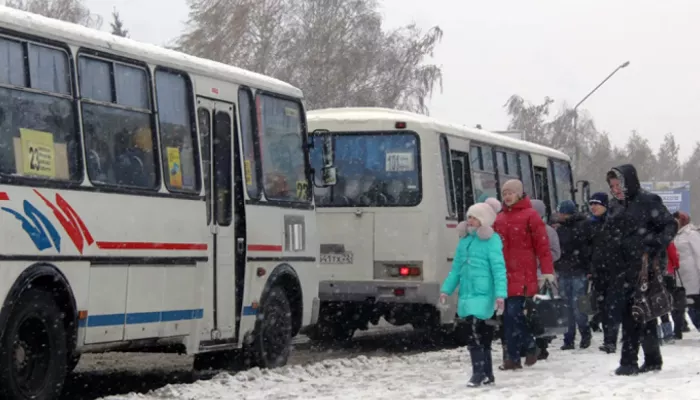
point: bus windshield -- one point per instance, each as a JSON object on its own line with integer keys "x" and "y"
{"x": 377, "y": 169}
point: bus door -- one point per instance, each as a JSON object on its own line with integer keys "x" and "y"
{"x": 217, "y": 124}
{"x": 542, "y": 188}
{"x": 461, "y": 172}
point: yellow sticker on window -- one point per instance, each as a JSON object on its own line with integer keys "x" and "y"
{"x": 302, "y": 190}
{"x": 174, "y": 167}
{"x": 38, "y": 153}
{"x": 248, "y": 173}
{"x": 291, "y": 112}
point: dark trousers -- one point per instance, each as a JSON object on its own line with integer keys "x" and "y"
{"x": 515, "y": 329}
{"x": 635, "y": 334}
{"x": 478, "y": 333}
{"x": 613, "y": 306}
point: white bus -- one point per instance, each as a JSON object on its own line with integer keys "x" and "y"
{"x": 148, "y": 199}
{"x": 404, "y": 181}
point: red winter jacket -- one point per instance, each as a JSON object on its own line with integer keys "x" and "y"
{"x": 525, "y": 240}
{"x": 673, "y": 260}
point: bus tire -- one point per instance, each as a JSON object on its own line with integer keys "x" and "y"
{"x": 73, "y": 361}
{"x": 272, "y": 342}
{"x": 34, "y": 329}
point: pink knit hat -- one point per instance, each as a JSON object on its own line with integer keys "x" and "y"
{"x": 515, "y": 186}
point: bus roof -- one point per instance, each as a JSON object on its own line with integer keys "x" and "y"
{"x": 34, "y": 24}
{"x": 360, "y": 114}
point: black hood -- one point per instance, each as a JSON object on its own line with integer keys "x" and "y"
{"x": 628, "y": 177}
{"x": 573, "y": 219}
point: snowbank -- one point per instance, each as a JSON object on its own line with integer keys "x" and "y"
{"x": 578, "y": 374}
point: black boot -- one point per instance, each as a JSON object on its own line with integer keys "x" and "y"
{"x": 608, "y": 348}
{"x": 488, "y": 368}
{"x": 627, "y": 370}
{"x": 585, "y": 341}
{"x": 478, "y": 366}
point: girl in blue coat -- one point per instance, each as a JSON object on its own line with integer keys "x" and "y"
{"x": 480, "y": 272}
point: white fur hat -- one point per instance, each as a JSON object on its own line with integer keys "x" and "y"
{"x": 483, "y": 212}
{"x": 494, "y": 203}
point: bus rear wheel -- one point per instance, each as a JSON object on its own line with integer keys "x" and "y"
{"x": 273, "y": 334}
{"x": 33, "y": 355}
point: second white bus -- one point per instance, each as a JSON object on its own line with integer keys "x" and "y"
{"x": 387, "y": 228}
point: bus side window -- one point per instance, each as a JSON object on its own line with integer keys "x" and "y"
{"x": 118, "y": 124}
{"x": 39, "y": 137}
{"x": 483, "y": 173}
{"x": 177, "y": 134}
{"x": 204, "y": 120}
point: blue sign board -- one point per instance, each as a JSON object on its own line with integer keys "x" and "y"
{"x": 675, "y": 195}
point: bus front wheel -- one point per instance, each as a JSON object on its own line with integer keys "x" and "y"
{"x": 33, "y": 354}
{"x": 273, "y": 334}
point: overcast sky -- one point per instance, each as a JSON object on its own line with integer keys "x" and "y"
{"x": 535, "y": 48}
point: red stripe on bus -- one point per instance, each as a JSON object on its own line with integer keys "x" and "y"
{"x": 264, "y": 247}
{"x": 4, "y": 196}
{"x": 150, "y": 246}
{"x": 451, "y": 225}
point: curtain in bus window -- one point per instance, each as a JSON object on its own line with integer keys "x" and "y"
{"x": 48, "y": 69}
{"x": 375, "y": 170}
{"x": 562, "y": 176}
{"x": 282, "y": 152}
{"x": 11, "y": 63}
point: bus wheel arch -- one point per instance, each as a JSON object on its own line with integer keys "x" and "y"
{"x": 49, "y": 278}
{"x": 287, "y": 278}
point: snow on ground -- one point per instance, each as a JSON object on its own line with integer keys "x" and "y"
{"x": 572, "y": 375}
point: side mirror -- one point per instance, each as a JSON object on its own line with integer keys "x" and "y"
{"x": 328, "y": 170}
{"x": 585, "y": 193}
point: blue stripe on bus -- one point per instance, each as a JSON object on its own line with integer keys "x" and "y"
{"x": 140, "y": 318}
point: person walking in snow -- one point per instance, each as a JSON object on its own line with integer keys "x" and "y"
{"x": 479, "y": 271}
{"x": 573, "y": 269}
{"x": 666, "y": 330}
{"x": 525, "y": 242}
{"x": 687, "y": 242}
{"x": 603, "y": 254}
{"x": 539, "y": 206}
{"x": 641, "y": 227}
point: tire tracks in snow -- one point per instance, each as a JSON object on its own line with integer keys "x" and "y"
{"x": 106, "y": 374}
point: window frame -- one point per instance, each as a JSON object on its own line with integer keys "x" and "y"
{"x": 418, "y": 163}
{"x": 155, "y": 136}
{"x": 305, "y": 149}
{"x": 25, "y": 40}
{"x": 256, "y": 141}
{"x": 531, "y": 192}
{"x": 194, "y": 132}
{"x": 481, "y": 169}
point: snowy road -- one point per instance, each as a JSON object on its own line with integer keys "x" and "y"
{"x": 579, "y": 374}
{"x": 100, "y": 375}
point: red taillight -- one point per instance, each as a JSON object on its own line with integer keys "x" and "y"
{"x": 400, "y": 125}
{"x": 404, "y": 271}
{"x": 415, "y": 271}
{"x": 399, "y": 292}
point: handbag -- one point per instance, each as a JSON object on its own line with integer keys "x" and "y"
{"x": 651, "y": 298}
{"x": 545, "y": 314}
{"x": 588, "y": 304}
{"x": 680, "y": 302}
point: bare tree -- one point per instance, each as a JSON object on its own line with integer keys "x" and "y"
{"x": 336, "y": 51}
{"x": 117, "y": 25}
{"x": 74, "y": 11}
{"x": 668, "y": 164}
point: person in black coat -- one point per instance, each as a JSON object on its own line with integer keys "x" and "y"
{"x": 573, "y": 269}
{"x": 639, "y": 224}
{"x": 603, "y": 253}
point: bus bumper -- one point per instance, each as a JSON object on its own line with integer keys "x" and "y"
{"x": 379, "y": 291}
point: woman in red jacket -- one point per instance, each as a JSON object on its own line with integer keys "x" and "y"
{"x": 666, "y": 331}
{"x": 525, "y": 241}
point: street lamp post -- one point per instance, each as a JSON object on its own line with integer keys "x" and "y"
{"x": 576, "y": 138}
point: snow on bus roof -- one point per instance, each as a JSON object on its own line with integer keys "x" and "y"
{"x": 367, "y": 114}
{"x": 34, "y": 24}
